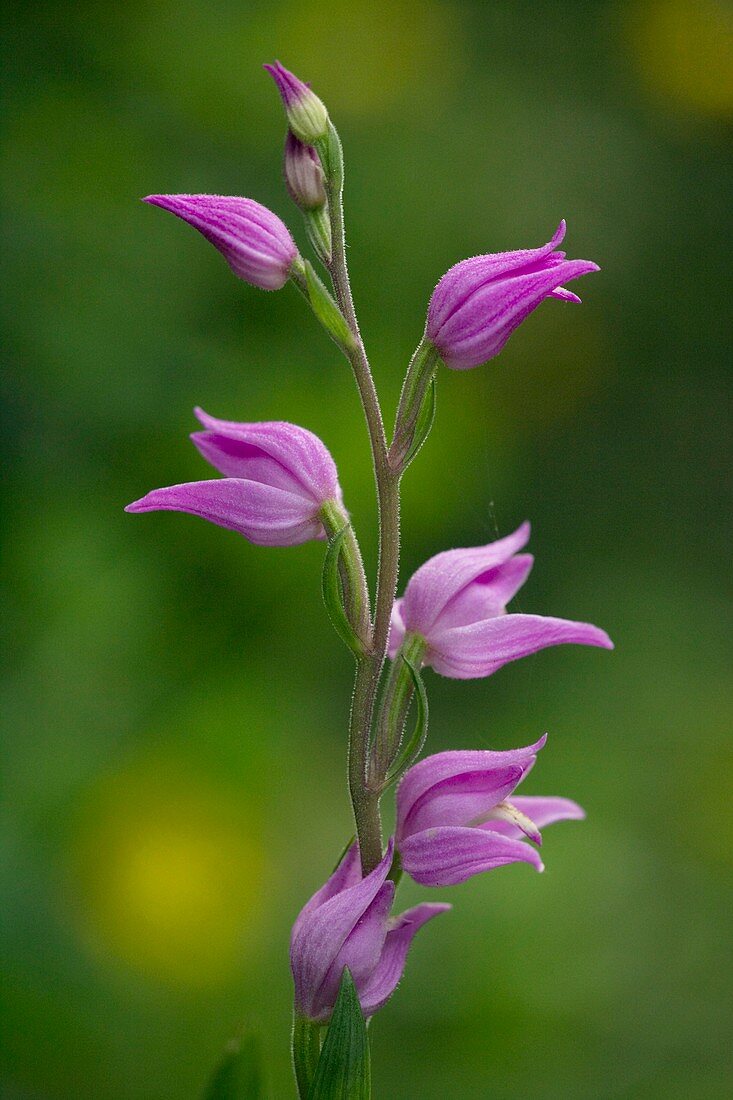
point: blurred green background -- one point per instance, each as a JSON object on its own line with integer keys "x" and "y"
{"x": 175, "y": 701}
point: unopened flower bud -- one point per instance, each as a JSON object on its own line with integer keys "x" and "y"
{"x": 255, "y": 243}
{"x": 307, "y": 115}
{"x": 303, "y": 174}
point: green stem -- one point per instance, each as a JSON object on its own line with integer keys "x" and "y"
{"x": 365, "y": 802}
{"x": 306, "y": 1048}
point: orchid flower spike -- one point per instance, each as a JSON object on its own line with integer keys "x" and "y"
{"x": 454, "y": 610}
{"x": 454, "y": 819}
{"x": 277, "y": 479}
{"x": 347, "y": 923}
{"x": 254, "y": 242}
{"x": 306, "y": 114}
{"x": 478, "y": 303}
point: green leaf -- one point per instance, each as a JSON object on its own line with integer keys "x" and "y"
{"x": 424, "y": 423}
{"x": 344, "y": 1068}
{"x": 327, "y": 311}
{"x": 238, "y": 1075}
{"x": 331, "y": 153}
{"x": 413, "y": 746}
{"x": 344, "y": 850}
{"x": 332, "y": 595}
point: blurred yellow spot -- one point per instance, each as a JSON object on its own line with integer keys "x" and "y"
{"x": 368, "y": 54}
{"x": 684, "y": 49}
{"x": 170, "y": 878}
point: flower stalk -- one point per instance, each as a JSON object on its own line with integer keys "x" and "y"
{"x": 365, "y": 801}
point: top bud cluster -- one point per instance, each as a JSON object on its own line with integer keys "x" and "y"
{"x": 474, "y": 308}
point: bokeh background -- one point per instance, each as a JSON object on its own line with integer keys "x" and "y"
{"x": 175, "y": 701}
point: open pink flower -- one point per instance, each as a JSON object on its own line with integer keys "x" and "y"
{"x": 254, "y": 242}
{"x": 478, "y": 303}
{"x": 456, "y": 602}
{"x": 347, "y": 923}
{"x": 454, "y": 819}
{"x": 277, "y": 478}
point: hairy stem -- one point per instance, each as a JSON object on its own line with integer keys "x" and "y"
{"x": 369, "y": 668}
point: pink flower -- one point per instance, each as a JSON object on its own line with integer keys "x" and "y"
{"x": 478, "y": 303}
{"x": 454, "y": 820}
{"x": 277, "y": 478}
{"x": 254, "y": 242}
{"x": 347, "y": 923}
{"x": 456, "y": 602}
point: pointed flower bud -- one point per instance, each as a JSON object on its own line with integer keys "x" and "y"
{"x": 347, "y": 923}
{"x": 456, "y": 602}
{"x": 307, "y": 116}
{"x": 453, "y": 820}
{"x": 303, "y": 174}
{"x": 478, "y": 303}
{"x": 277, "y": 478}
{"x": 254, "y": 242}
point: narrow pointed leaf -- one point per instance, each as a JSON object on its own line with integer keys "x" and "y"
{"x": 326, "y": 310}
{"x": 414, "y": 744}
{"x": 344, "y": 850}
{"x": 238, "y": 1075}
{"x": 424, "y": 423}
{"x": 333, "y": 597}
{"x": 344, "y": 1068}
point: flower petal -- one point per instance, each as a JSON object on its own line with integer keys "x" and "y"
{"x": 298, "y": 451}
{"x": 396, "y": 630}
{"x": 443, "y": 577}
{"x": 542, "y": 810}
{"x": 348, "y": 873}
{"x": 564, "y": 295}
{"x": 319, "y": 934}
{"x": 255, "y": 243}
{"x": 451, "y": 854}
{"x": 464, "y": 278}
{"x": 458, "y": 799}
{"x": 360, "y": 951}
{"x": 487, "y": 595}
{"x": 479, "y": 649}
{"x": 383, "y": 981}
{"x": 235, "y": 458}
{"x": 265, "y": 515}
{"x": 478, "y": 331}
{"x": 427, "y": 775}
